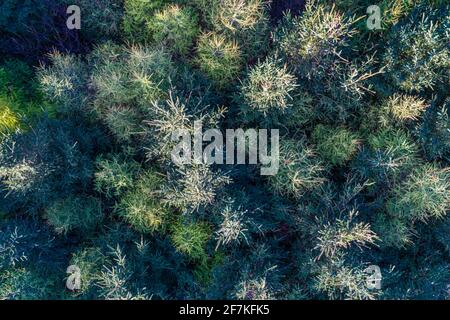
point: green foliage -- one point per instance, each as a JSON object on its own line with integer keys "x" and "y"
{"x": 393, "y": 231}
{"x": 316, "y": 46}
{"x": 136, "y": 17}
{"x": 65, "y": 82}
{"x": 219, "y": 58}
{"x": 87, "y": 129}
{"x": 9, "y": 121}
{"x": 175, "y": 27}
{"x": 101, "y": 19}
{"x": 254, "y": 289}
{"x": 434, "y": 132}
{"x": 423, "y": 196}
{"x": 90, "y": 262}
{"x": 194, "y": 186}
{"x": 114, "y": 175}
{"x": 246, "y": 21}
{"x": 233, "y": 228}
{"x": 300, "y": 170}
{"x": 416, "y": 53}
{"x": 340, "y": 281}
{"x": 141, "y": 206}
{"x": 50, "y": 162}
{"x": 75, "y": 213}
{"x": 23, "y": 284}
{"x": 20, "y": 99}
{"x": 341, "y": 234}
{"x": 190, "y": 238}
{"x": 132, "y": 76}
{"x": 335, "y": 145}
{"x": 269, "y": 86}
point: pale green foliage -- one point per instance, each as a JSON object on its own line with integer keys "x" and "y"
{"x": 300, "y": 169}
{"x": 114, "y": 175}
{"x": 335, "y": 145}
{"x": 343, "y": 233}
{"x": 176, "y": 27}
{"x": 232, "y": 228}
{"x": 19, "y": 177}
{"x": 114, "y": 279}
{"x": 75, "y": 212}
{"x": 219, "y": 58}
{"x": 417, "y": 52}
{"x": 246, "y": 21}
{"x": 311, "y": 42}
{"x": 397, "y": 111}
{"x": 403, "y": 108}
{"x": 237, "y": 15}
{"x": 316, "y": 46}
{"x": 142, "y": 207}
{"x": 170, "y": 116}
{"x": 254, "y": 289}
{"x": 190, "y": 238}
{"x": 269, "y": 86}
{"x": 132, "y": 76}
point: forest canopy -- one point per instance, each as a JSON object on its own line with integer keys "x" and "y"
{"x": 87, "y": 180}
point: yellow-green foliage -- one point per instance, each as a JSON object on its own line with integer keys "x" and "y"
{"x": 90, "y": 261}
{"x": 20, "y": 98}
{"x": 423, "y": 196}
{"x": 300, "y": 170}
{"x": 81, "y": 213}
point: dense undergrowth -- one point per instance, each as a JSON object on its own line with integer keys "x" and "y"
{"x": 86, "y": 177}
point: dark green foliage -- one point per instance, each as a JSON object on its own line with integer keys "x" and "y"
{"x": 51, "y": 161}
{"x": 300, "y": 170}
{"x": 100, "y": 19}
{"x": 32, "y": 28}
